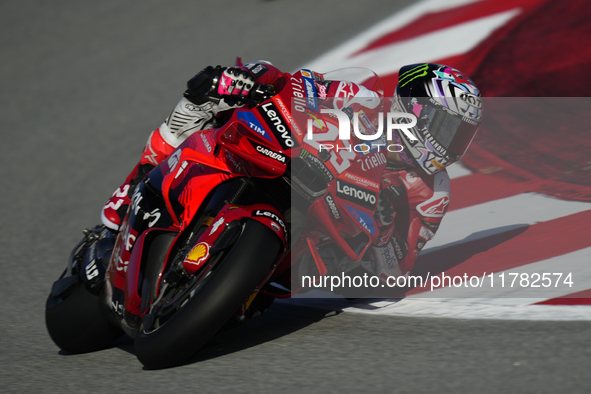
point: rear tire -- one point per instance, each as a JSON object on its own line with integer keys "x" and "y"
{"x": 213, "y": 304}
{"x": 76, "y": 322}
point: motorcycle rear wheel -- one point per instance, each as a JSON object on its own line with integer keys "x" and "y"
{"x": 235, "y": 277}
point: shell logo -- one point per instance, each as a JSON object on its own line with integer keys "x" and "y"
{"x": 198, "y": 254}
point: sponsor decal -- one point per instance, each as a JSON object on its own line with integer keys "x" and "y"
{"x": 434, "y": 146}
{"x": 388, "y": 258}
{"x": 411, "y": 177}
{"x": 399, "y": 249}
{"x": 251, "y": 121}
{"x": 122, "y": 265}
{"x": 321, "y": 90}
{"x": 371, "y": 162}
{"x": 434, "y": 207}
{"x": 429, "y": 167}
{"x": 155, "y": 214}
{"x": 270, "y": 153}
{"x": 173, "y": 160}
{"x": 363, "y": 197}
{"x": 198, "y": 254}
{"x": 235, "y": 163}
{"x": 333, "y": 207}
{"x": 437, "y": 165}
{"x": 203, "y": 107}
{"x": 362, "y": 181}
{"x": 216, "y": 225}
{"x": 117, "y": 307}
{"x": 152, "y": 156}
{"x": 366, "y": 123}
{"x": 393, "y": 190}
{"x": 206, "y": 142}
{"x": 184, "y": 165}
{"x": 412, "y": 74}
{"x": 276, "y": 123}
{"x": 426, "y": 234}
{"x": 431, "y": 226}
{"x": 310, "y": 89}
{"x": 257, "y": 69}
{"x": 396, "y": 191}
{"x": 420, "y": 244}
{"x": 317, "y": 164}
{"x": 287, "y": 115}
{"x": 363, "y": 219}
{"x": 136, "y": 200}
{"x": 91, "y": 269}
{"x": 272, "y": 216}
{"x": 471, "y": 99}
{"x": 386, "y": 234}
{"x": 298, "y": 93}
{"x": 345, "y": 91}
{"x": 121, "y": 192}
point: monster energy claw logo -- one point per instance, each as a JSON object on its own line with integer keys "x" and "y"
{"x": 417, "y": 72}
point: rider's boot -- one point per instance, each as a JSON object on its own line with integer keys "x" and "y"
{"x": 156, "y": 150}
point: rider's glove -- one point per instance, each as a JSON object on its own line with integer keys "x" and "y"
{"x": 234, "y": 85}
{"x": 235, "y": 82}
{"x": 217, "y": 83}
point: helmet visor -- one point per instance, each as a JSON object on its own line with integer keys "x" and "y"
{"x": 449, "y": 130}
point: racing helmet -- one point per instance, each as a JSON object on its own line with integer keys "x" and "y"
{"x": 448, "y": 108}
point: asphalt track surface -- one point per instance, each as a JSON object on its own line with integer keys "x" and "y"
{"x": 82, "y": 85}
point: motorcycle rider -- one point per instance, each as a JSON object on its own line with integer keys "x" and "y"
{"x": 415, "y": 187}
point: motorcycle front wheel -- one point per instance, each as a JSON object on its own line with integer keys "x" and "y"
{"x": 212, "y": 303}
{"x": 76, "y": 321}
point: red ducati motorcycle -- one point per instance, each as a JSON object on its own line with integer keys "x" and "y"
{"x": 214, "y": 232}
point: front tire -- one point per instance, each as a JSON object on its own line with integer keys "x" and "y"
{"x": 76, "y": 322}
{"x": 229, "y": 285}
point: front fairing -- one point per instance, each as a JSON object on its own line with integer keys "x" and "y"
{"x": 175, "y": 190}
